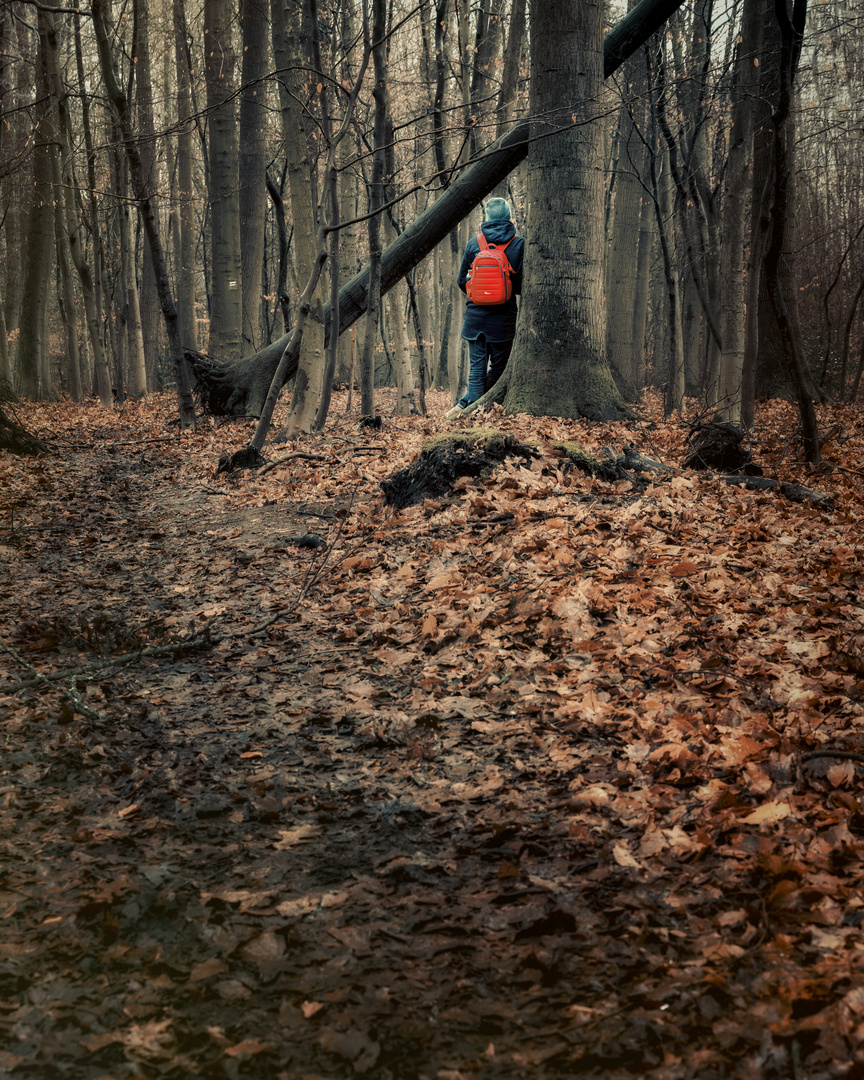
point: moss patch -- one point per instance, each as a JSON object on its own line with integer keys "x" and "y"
{"x": 461, "y": 437}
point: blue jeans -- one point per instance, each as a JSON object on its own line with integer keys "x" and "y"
{"x": 488, "y": 360}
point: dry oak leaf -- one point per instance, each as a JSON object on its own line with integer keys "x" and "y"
{"x": 265, "y": 948}
{"x": 207, "y": 969}
{"x": 248, "y": 1048}
{"x": 149, "y": 1040}
{"x": 768, "y": 814}
{"x": 683, "y": 569}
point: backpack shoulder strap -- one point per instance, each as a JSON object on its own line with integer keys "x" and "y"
{"x": 484, "y": 244}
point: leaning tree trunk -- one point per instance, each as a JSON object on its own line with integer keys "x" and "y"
{"x": 239, "y": 385}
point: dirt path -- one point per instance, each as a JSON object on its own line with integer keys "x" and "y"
{"x": 326, "y": 847}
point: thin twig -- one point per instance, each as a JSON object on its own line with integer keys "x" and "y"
{"x": 71, "y": 695}
{"x": 99, "y": 666}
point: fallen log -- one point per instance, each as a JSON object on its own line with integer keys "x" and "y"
{"x": 793, "y": 492}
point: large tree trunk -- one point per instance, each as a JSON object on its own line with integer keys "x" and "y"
{"x": 239, "y": 385}
{"x": 792, "y": 34}
{"x": 558, "y": 366}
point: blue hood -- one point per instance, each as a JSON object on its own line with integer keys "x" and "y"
{"x": 499, "y": 231}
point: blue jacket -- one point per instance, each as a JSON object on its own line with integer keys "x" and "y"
{"x": 496, "y": 321}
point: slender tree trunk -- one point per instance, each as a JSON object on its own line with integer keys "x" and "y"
{"x": 89, "y": 274}
{"x": 674, "y": 395}
{"x": 40, "y": 235}
{"x": 220, "y": 71}
{"x": 376, "y": 199}
{"x": 292, "y": 51}
{"x": 7, "y": 71}
{"x": 69, "y": 307}
{"x": 639, "y": 317}
{"x": 146, "y": 298}
{"x": 187, "y": 325}
{"x": 623, "y": 263}
{"x": 253, "y": 166}
{"x": 398, "y": 312}
{"x": 133, "y": 380}
{"x": 61, "y": 165}
{"x": 739, "y": 164}
{"x": 22, "y": 47}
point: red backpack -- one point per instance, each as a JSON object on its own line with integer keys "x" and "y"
{"x": 489, "y": 277}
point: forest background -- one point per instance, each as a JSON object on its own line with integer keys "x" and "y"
{"x": 723, "y": 152}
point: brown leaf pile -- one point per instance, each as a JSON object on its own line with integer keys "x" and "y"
{"x": 548, "y": 777}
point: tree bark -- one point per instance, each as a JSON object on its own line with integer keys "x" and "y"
{"x": 376, "y": 201}
{"x": 792, "y": 31}
{"x": 623, "y": 265}
{"x": 185, "y": 214}
{"x": 89, "y": 274}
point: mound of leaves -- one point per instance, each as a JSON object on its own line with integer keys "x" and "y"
{"x": 444, "y": 460}
{"x": 718, "y": 446}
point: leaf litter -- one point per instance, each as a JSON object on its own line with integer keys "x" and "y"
{"x": 550, "y": 776}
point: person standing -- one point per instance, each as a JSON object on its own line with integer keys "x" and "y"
{"x": 489, "y": 329}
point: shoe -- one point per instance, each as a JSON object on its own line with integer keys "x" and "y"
{"x": 451, "y": 414}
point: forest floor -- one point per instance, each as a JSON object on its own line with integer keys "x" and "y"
{"x": 508, "y": 784}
